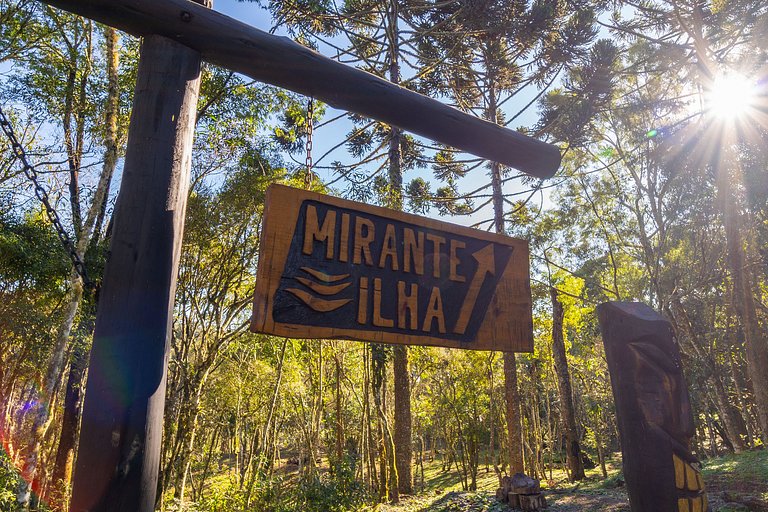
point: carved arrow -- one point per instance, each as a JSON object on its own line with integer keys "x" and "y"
{"x": 486, "y": 264}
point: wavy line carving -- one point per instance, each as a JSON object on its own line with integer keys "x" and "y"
{"x": 323, "y": 289}
{"x": 323, "y": 276}
{"x": 320, "y": 305}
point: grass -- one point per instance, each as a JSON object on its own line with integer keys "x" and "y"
{"x": 442, "y": 492}
{"x": 735, "y": 483}
{"x": 741, "y": 481}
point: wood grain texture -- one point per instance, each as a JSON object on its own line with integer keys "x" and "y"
{"x": 471, "y": 291}
{"x": 653, "y": 410}
{"x": 279, "y": 61}
{"x": 119, "y": 451}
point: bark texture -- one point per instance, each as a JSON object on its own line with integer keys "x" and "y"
{"x": 567, "y": 409}
{"x": 403, "y": 445}
{"x": 125, "y": 394}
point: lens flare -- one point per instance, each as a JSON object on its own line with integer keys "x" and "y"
{"x": 731, "y": 96}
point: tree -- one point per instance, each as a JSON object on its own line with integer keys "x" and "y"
{"x": 59, "y": 72}
{"x": 219, "y": 251}
{"x": 483, "y": 58}
{"x": 709, "y": 41}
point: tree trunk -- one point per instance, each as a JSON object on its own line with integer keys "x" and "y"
{"x": 401, "y": 375}
{"x": 369, "y": 423}
{"x": 568, "y": 413}
{"x": 735, "y": 428}
{"x": 70, "y": 423}
{"x": 736, "y": 374}
{"x": 515, "y": 443}
{"x": 511, "y": 392}
{"x": 743, "y": 293}
{"x": 339, "y": 423}
{"x": 62, "y": 471}
{"x": 403, "y": 445}
{"x": 734, "y": 425}
{"x": 41, "y": 411}
{"x": 491, "y": 455}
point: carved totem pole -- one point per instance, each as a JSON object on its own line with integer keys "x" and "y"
{"x": 653, "y": 409}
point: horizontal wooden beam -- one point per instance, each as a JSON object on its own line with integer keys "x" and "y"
{"x": 279, "y": 61}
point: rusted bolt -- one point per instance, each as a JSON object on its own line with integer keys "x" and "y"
{"x": 186, "y": 16}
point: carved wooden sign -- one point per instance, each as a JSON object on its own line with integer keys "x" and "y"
{"x": 653, "y": 410}
{"x": 332, "y": 268}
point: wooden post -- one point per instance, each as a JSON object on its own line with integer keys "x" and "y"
{"x": 653, "y": 410}
{"x": 119, "y": 451}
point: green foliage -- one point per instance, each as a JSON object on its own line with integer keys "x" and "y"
{"x": 567, "y": 112}
{"x": 418, "y": 193}
{"x": 633, "y": 215}
{"x": 337, "y": 493}
{"x": 294, "y": 125}
{"x": 9, "y": 483}
{"x": 31, "y": 254}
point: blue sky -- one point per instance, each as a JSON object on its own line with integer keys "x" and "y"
{"x": 330, "y": 135}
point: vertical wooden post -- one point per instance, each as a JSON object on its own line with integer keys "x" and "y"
{"x": 118, "y": 456}
{"x": 653, "y": 410}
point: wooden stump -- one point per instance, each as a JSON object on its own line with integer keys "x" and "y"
{"x": 522, "y": 484}
{"x": 513, "y": 500}
{"x": 521, "y": 492}
{"x": 532, "y": 501}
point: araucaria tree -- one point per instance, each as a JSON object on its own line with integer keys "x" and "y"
{"x": 660, "y": 198}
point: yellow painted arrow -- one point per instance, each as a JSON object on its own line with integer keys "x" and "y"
{"x": 486, "y": 264}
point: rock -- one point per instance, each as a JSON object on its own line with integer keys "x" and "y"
{"x": 523, "y": 484}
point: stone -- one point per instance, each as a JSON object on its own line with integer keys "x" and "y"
{"x": 523, "y": 484}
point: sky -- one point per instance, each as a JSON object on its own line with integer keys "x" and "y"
{"x": 330, "y": 135}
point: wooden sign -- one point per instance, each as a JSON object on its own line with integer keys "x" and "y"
{"x": 653, "y": 410}
{"x": 332, "y": 268}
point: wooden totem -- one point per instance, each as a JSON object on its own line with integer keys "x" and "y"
{"x": 653, "y": 409}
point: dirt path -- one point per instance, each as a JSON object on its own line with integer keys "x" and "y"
{"x": 485, "y": 501}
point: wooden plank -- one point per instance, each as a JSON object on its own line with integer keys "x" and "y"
{"x": 279, "y": 61}
{"x": 119, "y": 451}
{"x": 332, "y": 268}
{"x": 652, "y": 408}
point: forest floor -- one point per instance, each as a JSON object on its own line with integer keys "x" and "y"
{"x": 735, "y": 483}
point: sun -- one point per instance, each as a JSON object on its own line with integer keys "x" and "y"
{"x": 732, "y": 96}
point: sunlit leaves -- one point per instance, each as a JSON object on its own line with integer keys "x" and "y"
{"x": 418, "y": 194}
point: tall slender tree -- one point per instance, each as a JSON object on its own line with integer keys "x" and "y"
{"x": 485, "y": 57}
